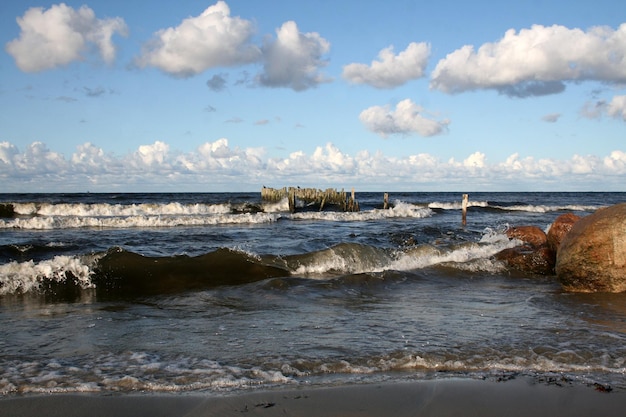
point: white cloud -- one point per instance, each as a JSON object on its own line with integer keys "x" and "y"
{"x": 406, "y": 118}
{"x": 331, "y": 158}
{"x": 61, "y": 35}
{"x": 616, "y": 162}
{"x": 294, "y": 59}
{"x": 535, "y": 61}
{"x": 475, "y": 160}
{"x": 154, "y": 154}
{"x": 89, "y": 156}
{"x": 215, "y": 150}
{"x": 583, "y": 165}
{"x": 38, "y": 159}
{"x": 213, "y": 39}
{"x": 218, "y": 166}
{"x": 391, "y": 70}
{"x": 617, "y": 107}
{"x": 8, "y": 151}
{"x": 218, "y": 158}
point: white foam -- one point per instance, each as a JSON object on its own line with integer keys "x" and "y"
{"x": 343, "y": 259}
{"x": 22, "y": 277}
{"x": 279, "y": 207}
{"x": 468, "y": 256}
{"x": 68, "y": 222}
{"x": 354, "y": 259}
{"x": 139, "y": 371}
{"x": 132, "y": 371}
{"x": 116, "y": 210}
{"x": 398, "y": 211}
{"x": 456, "y": 205}
{"x": 546, "y": 209}
{"x": 63, "y": 216}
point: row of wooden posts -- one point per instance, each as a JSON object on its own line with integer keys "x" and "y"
{"x": 330, "y": 196}
{"x": 309, "y": 196}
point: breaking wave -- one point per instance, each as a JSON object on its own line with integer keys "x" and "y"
{"x": 123, "y": 273}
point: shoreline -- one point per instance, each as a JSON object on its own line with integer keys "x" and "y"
{"x": 448, "y": 397}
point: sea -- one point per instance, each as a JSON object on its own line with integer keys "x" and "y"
{"x": 224, "y": 293}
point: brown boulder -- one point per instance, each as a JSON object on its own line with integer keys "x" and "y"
{"x": 559, "y": 228}
{"x": 528, "y": 259}
{"x": 532, "y": 235}
{"x": 592, "y": 256}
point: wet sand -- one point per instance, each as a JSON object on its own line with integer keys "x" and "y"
{"x": 451, "y": 397}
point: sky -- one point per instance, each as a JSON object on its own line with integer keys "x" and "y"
{"x": 213, "y": 96}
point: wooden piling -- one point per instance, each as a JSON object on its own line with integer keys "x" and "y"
{"x": 292, "y": 200}
{"x": 464, "y": 209}
{"x": 311, "y": 196}
{"x": 385, "y": 201}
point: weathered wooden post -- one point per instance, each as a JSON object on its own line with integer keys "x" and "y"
{"x": 464, "y": 208}
{"x": 292, "y": 200}
{"x": 385, "y": 201}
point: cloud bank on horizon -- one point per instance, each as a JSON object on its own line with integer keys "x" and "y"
{"x": 524, "y": 64}
{"x": 156, "y": 167}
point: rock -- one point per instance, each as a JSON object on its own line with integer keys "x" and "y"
{"x": 534, "y": 256}
{"x": 592, "y": 256}
{"x": 532, "y": 235}
{"x": 528, "y": 259}
{"x": 559, "y": 228}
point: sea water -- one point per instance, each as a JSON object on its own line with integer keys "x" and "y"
{"x": 218, "y": 292}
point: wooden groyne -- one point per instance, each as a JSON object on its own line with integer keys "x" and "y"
{"x": 312, "y": 196}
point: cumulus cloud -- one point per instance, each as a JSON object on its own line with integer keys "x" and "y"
{"x": 407, "y": 118}
{"x": 61, "y": 35}
{"x": 616, "y": 162}
{"x": 535, "y": 61}
{"x": 153, "y": 154}
{"x": 390, "y": 70}
{"x": 213, "y": 39}
{"x": 223, "y": 167}
{"x": 88, "y": 155}
{"x": 293, "y": 59}
{"x": 218, "y": 159}
{"x": 8, "y": 151}
{"x": 36, "y": 160}
{"x": 325, "y": 164}
{"x": 475, "y": 160}
{"x": 617, "y": 108}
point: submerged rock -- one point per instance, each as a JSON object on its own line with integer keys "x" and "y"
{"x": 534, "y": 256}
{"x": 559, "y": 228}
{"x": 529, "y": 259}
{"x": 592, "y": 256}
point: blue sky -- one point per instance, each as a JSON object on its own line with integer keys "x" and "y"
{"x": 398, "y": 95}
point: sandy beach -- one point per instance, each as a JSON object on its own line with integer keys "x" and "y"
{"x": 451, "y": 397}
